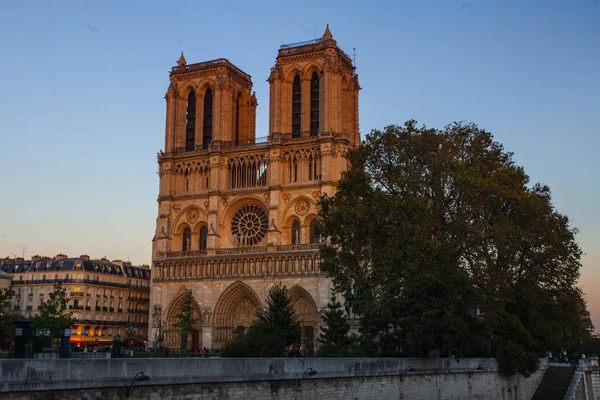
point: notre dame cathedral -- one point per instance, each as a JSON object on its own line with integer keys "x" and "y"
{"x": 236, "y": 212}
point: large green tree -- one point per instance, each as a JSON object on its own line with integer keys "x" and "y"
{"x": 53, "y": 315}
{"x": 272, "y": 333}
{"x": 418, "y": 201}
{"x": 186, "y": 318}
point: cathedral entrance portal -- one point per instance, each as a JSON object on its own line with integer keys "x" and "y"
{"x": 173, "y": 338}
{"x": 235, "y": 310}
{"x": 307, "y": 313}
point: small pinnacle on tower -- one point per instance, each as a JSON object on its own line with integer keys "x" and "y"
{"x": 327, "y": 35}
{"x": 181, "y": 62}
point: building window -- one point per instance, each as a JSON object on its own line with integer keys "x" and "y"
{"x": 293, "y": 169}
{"x": 207, "y": 125}
{"x": 190, "y": 122}
{"x": 314, "y": 104}
{"x": 203, "y": 237}
{"x": 249, "y": 225}
{"x": 296, "y": 107}
{"x": 237, "y": 119}
{"x": 314, "y": 236}
{"x": 296, "y": 232}
{"x": 187, "y": 239}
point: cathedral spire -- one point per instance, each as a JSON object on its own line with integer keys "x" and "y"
{"x": 327, "y": 35}
{"x": 181, "y": 62}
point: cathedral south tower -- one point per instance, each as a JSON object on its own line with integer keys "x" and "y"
{"x": 237, "y": 212}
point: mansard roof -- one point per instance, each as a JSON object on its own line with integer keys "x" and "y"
{"x": 74, "y": 264}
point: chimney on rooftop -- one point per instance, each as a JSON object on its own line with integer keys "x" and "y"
{"x": 60, "y": 256}
{"x": 85, "y": 257}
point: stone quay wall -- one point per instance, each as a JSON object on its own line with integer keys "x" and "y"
{"x": 260, "y": 378}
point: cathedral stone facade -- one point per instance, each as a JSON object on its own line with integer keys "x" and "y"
{"x": 237, "y": 213}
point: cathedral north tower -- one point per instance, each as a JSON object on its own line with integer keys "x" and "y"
{"x": 237, "y": 213}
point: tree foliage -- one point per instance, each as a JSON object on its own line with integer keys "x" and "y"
{"x": 447, "y": 213}
{"x": 7, "y": 317}
{"x": 334, "y": 339}
{"x": 186, "y": 318}
{"x": 272, "y": 333}
{"x": 53, "y": 315}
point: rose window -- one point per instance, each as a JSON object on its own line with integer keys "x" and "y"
{"x": 249, "y": 225}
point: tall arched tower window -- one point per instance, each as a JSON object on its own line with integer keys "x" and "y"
{"x": 190, "y": 122}
{"x": 296, "y": 232}
{"x": 314, "y": 104}
{"x": 296, "y": 107}
{"x": 237, "y": 119}
{"x": 187, "y": 240}
{"x": 203, "y": 237}
{"x": 207, "y": 125}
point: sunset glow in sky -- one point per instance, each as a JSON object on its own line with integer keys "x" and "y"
{"x": 82, "y": 109}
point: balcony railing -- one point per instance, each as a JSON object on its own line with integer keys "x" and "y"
{"x": 244, "y": 250}
{"x": 76, "y": 294}
{"x": 89, "y": 281}
{"x": 220, "y": 62}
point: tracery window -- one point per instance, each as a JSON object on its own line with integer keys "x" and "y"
{"x": 247, "y": 171}
{"x": 296, "y": 107}
{"x": 207, "y": 125}
{"x": 190, "y": 123}
{"x": 296, "y": 232}
{"x": 249, "y": 225}
{"x": 314, "y": 168}
{"x": 203, "y": 237}
{"x": 314, "y": 104}
{"x": 293, "y": 166}
{"x": 301, "y": 166}
{"x": 187, "y": 240}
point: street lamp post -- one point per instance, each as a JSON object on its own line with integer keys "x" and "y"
{"x": 408, "y": 370}
{"x": 139, "y": 377}
{"x": 308, "y": 372}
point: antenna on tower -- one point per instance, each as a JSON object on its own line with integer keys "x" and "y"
{"x": 23, "y": 248}
{"x": 354, "y": 56}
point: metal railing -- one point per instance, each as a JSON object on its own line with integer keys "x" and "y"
{"x": 298, "y": 44}
{"x": 88, "y": 281}
{"x": 210, "y": 64}
{"x": 243, "y": 250}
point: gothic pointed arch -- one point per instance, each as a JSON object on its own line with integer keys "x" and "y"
{"x": 296, "y": 106}
{"x": 301, "y": 206}
{"x": 207, "y": 124}
{"x": 315, "y": 103}
{"x": 172, "y": 333}
{"x": 307, "y": 313}
{"x": 203, "y": 238}
{"x": 236, "y": 307}
{"x": 190, "y": 120}
{"x": 296, "y": 232}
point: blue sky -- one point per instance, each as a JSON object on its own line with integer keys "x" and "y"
{"x": 82, "y": 110}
